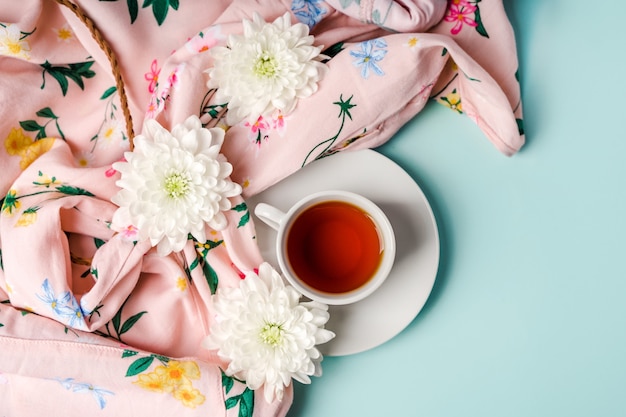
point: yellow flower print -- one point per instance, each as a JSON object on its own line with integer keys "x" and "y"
{"x": 181, "y": 283}
{"x": 412, "y": 42}
{"x": 17, "y": 142}
{"x": 12, "y": 42}
{"x": 110, "y": 132}
{"x": 453, "y": 100}
{"x": 46, "y": 181}
{"x": 28, "y": 217}
{"x": 174, "y": 378}
{"x": 64, "y": 33}
{"x": 154, "y": 382}
{"x": 84, "y": 159}
{"x": 189, "y": 396}
{"x": 177, "y": 372}
{"x": 11, "y": 203}
{"x": 35, "y": 150}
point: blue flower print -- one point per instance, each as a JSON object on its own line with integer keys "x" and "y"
{"x": 55, "y": 303}
{"x": 81, "y": 387}
{"x": 64, "y": 306}
{"x": 309, "y": 12}
{"x": 371, "y": 53}
{"x": 73, "y": 314}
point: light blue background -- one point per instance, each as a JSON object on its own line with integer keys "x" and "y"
{"x": 527, "y": 317}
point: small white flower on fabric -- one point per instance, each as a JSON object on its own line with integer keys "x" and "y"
{"x": 266, "y": 334}
{"x": 173, "y": 184}
{"x": 268, "y": 67}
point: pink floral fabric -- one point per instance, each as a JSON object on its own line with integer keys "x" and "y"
{"x": 98, "y": 321}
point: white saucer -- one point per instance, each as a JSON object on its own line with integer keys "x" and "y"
{"x": 385, "y": 313}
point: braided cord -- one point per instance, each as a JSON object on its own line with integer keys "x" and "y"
{"x": 110, "y": 54}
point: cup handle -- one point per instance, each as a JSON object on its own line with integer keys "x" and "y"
{"x": 270, "y": 215}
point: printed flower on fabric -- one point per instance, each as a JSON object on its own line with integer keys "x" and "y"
{"x": 269, "y": 67}
{"x": 13, "y": 42}
{"x": 174, "y": 184}
{"x": 309, "y": 12}
{"x": 10, "y": 203}
{"x": 85, "y": 388}
{"x": 64, "y": 33}
{"x": 206, "y": 40}
{"x": 111, "y": 131}
{"x": 63, "y": 305}
{"x": 174, "y": 378}
{"x": 453, "y": 101}
{"x": 28, "y": 217}
{"x": 461, "y": 12}
{"x": 153, "y": 76}
{"x": 17, "y": 143}
{"x": 266, "y": 334}
{"x": 260, "y": 130}
{"x": 369, "y": 56}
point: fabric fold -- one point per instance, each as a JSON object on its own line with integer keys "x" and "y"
{"x": 62, "y": 129}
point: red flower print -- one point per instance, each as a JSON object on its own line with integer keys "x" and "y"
{"x": 462, "y": 13}
{"x": 278, "y": 121}
{"x": 153, "y": 76}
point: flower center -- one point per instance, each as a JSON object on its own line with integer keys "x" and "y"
{"x": 177, "y": 185}
{"x": 272, "y": 334}
{"x": 14, "y": 47}
{"x": 265, "y": 66}
{"x": 64, "y": 34}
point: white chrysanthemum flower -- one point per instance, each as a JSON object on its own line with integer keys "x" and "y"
{"x": 266, "y": 333}
{"x": 268, "y": 67}
{"x": 173, "y": 184}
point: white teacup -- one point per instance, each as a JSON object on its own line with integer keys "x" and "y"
{"x": 336, "y": 247}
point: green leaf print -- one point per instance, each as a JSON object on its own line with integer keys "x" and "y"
{"x": 139, "y": 365}
{"x": 344, "y": 112}
{"x": 244, "y": 219}
{"x": 215, "y": 111}
{"x": 120, "y": 328}
{"x": 47, "y": 113}
{"x": 34, "y": 126}
{"x": 108, "y": 93}
{"x": 142, "y": 364}
{"x": 245, "y": 400}
{"x": 131, "y": 322}
{"x": 210, "y": 275}
{"x": 227, "y": 382}
{"x": 128, "y": 353}
{"x": 160, "y": 8}
{"x": 70, "y": 190}
{"x": 520, "y": 126}
{"x": 133, "y": 9}
{"x": 242, "y": 207}
{"x": 202, "y": 250}
{"x": 333, "y": 50}
{"x": 62, "y": 74}
{"x": 480, "y": 28}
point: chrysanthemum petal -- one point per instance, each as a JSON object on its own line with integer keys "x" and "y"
{"x": 266, "y": 68}
{"x": 266, "y": 334}
{"x": 174, "y": 184}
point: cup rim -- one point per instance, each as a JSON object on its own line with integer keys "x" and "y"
{"x": 382, "y": 223}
